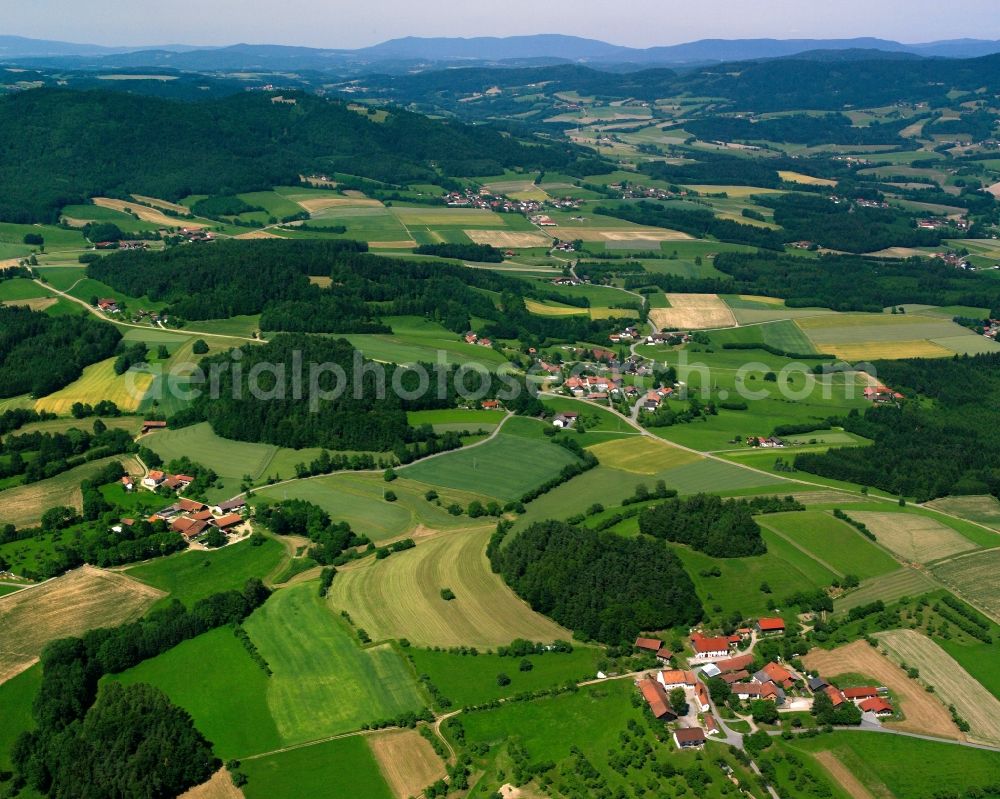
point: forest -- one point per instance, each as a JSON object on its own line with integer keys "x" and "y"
{"x": 947, "y": 445}
{"x": 299, "y": 517}
{"x": 38, "y": 455}
{"x": 63, "y": 146}
{"x": 718, "y": 170}
{"x": 805, "y": 129}
{"x": 40, "y": 354}
{"x": 705, "y": 522}
{"x": 90, "y": 745}
{"x": 600, "y": 585}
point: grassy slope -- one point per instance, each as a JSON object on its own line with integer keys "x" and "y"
{"x": 16, "y": 696}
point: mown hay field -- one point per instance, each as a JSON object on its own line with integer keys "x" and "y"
{"x": 974, "y": 576}
{"x": 99, "y": 382}
{"x": 66, "y": 606}
{"x": 642, "y": 455}
{"x": 693, "y": 312}
{"x": 503, "y": 239}
{"x": 323, "y": 682}
{"x": 953, "y": 685}
{"x": 888, "y": 588}
{"x": 400, "y": 596}
{"x": 808, "y": 180}
{"x": 980, "y": 509}
{"x": 855, "y": 336}
{"x": 147, "y": 214}
{"x": 407, "y": 761}
{"x": 914, "y": 538}
{"x": 924, "y": 712}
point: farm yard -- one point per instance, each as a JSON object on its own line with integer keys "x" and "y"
{"x": 66, "y": 606}
{"x": 400, "y": 597}
{"x": 951, "y": 682}
{"x": 924, "y": 711}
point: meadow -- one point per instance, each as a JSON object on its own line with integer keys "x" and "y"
{"x": 213, "y": 678}
{"x": 914, "y": 538}
{"x": 490, "y": 468}
{"x": 416, "y": 340}
{"x": 338, "y": 769}
{"x": 887, "y": 588}
{"x": 16, "y": 697}
{"x": 192, "y": 575}
{"x": 400, "y": 596}
{"x": 324, "y": 683}
{"x": 471, "y": 679}
{"x": 974, "y": 577}
{"x": 978, "y": 509}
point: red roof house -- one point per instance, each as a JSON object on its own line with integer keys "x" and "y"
{"x": 648, "y": 644}
{"x": 835, "y": 696}
{"x": 770, "y": 626}
{"x": 656, "y": 698}
{"x": 860, "y": 693}
{"x": 876, "y": 705}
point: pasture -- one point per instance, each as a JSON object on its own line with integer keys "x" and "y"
{"x": 194, "y": 574}
{"x": 888, "y": 588}
{"x": 952, "y": 684}
{"x": 490, "y": 468}
{"x": 456, "y": 419}
{"x": 24, "y": 505}
{"x": 693, "y": 312}
{"x": 407, "y": 761}
{"x": 914, "y": 538}
{"x": 99, "y": 382}
{"x": 359, "y": 500}
{"x": 979, "y": 509}
{"x": 974, "y": 577}
{"x": 340, "y": 769}
{"x": 835, "y": 544}
{"x": 892, "y": 765}
{"x": 924, "y": 711}
{"x": 471, "y": 679}
{"x": 227, "y": 701}
{"x": 16, "y": 697}
{"x": 66, "y": 606}
{"x": 324, "y": 683}
{"x": 399, "y": 597}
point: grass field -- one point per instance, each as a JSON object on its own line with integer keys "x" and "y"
{"x": 471, "y": 680}
{"x": 213, "y": 678}
{"x": 69, "y": 605}
{"x": 456, "y": 419}
{"x": 323, "y": 682}
{"x": 832, "y": 542}
{"x": 399, "y": 597}
{"x": 888, "y": 588}
{"x": 979, "y": 509}
{"x": 130, "y": 423}
{"x": 339, "y": 769}
{"x": 642, "y": 455}
{"x": 923, "y": 711}
{"x": 890, "y": 765}
{"x": 952, "y": 684}
{"x": 193, "y": 575}
{"x": 16, "y": 697}
{"x": 419, "y": 340}
{"x": 974, "y": 577}
{"x": 407, "y": 761}
{"x": 490, "y": 468}
{"x": 914, "y": 538}
{"x": 24, "y": 505}
{"x": 358, "y": 499}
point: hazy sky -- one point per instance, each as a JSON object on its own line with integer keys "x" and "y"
{"x": 356, "y": 23}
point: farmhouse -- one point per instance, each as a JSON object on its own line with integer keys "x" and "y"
{"x": 733, "y": 664}
{"x": 176, "y": 482}
{"x": 153, "y": 479}
{"x": 108, "y": 306}
{"x": 228, "y": 521}
{"x": 703, "y": 700}
{"x": 853, "y": 694}
{"x": 771, "y": 626}
{"x": 758, "y": 690}
{"x": 676, "y": 678}
{"x": 564, "y": 420}
{"x": 775, "y": 673}
{"x": 127, "y": 483}
{"x": 709, "y": 647}
{"x": 149, "y": 426}
{"x": 689, "y": 737}
{"x": 229, "y": 506}
{"x": 656, "y": 698}
{"x": 876, "y": 705}
{"x": 189, "y": 528}
{"x": 648, "y": 644}
{"x": 835, "y": 695}
{"x": 731, "y": 677}
{"x": 491, "y": 405}
{"x": 663, "y": 654}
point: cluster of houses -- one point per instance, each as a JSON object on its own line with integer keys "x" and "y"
{"x": 473, "y": 338}
{"x": 193, "y": 519}
{"x": 655, "y": 396}
{"x": 941, "y": 223}
{"x": 955, "y": 260}
{"x": 629, "y": 191}
{"x": 628, "y": 334}
{"x": 108, "y": 305}
{"x": 771, "y": 442}
{"x": 882, "y": 395}
{"x": 121, "y": 245}
{"x": 195, "y": 234}
{"x": 544, "y": 220}
{"x": 869, "y": 698}
{"x": 671, "y": 338}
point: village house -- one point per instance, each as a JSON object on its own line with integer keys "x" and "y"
{"x": 876, "y": 705}
{"x": 108, "y": 306}
{"x": 676, "y": 678}
{"x": 709, "y": 647}
{"x": 127, "y": 483}
{"x": 854, "y": 694}
{"x": 153, "y": 479}
{"x": 664, "y": 655}
{"x": 650, "y": 645}
{"x": 566, "y": 419}
{"x": 229, "y": 506}
{"x": 491, "y": 405}
{"x": 758, "y": 690}
{"x": 775, "y": 673}
{"x": 656, "y": 698}
{"x": 689, "y": 737}
{"x": 150, "y": 425}
{"x": 771, "y": 626}
{"x": 836, "y": 697}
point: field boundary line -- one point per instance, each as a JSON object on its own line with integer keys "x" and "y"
{"x": 801, "y": 549}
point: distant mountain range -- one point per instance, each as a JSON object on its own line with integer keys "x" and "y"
{"x": 412, "y": 53}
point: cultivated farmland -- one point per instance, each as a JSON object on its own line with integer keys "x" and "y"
{"x": 147, "y": 214}
{"x": 642, "y": 455}
{"x": 888, "y": 588}
{"x": 219, "y": 787}
{"x": 915, "y": 538}
{"x": 975, "y": 577}
{"x": 951, "y": 682}
{"x": 980, "y": 509}
{"x": 399, "y": 597}
{"x": 69, "y": 605}
{"x": 693, "y": 312}
{"x": 924, "y": 712}
{"x": 407, "y": 761}
{"x": 324, "y": 683}
{"x": 503, "y": 239}
{"x": 99, "y": 382}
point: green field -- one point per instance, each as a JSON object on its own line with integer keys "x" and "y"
{"x": 907, "y": 767}
{"x": 16, "y": 697}
{"x": 323, "y": 682}
{"x": 417, "y": 340}
{"x": 832, "y": 542}
{"x": 99, "y": 382}
{"x": 339, "y": 769}
{"x": 190, "y": 576}
{"x": 505, "y": 467}
{"x": 456, "y": 419}
{"x": 471, "y": 679}
{"x": 893, "y": 586}
{"x": 400, "y": 596}
{"x": 358, "y": 499}
{"x": 213, "y": 678}
{"x": 56, "y": 238}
